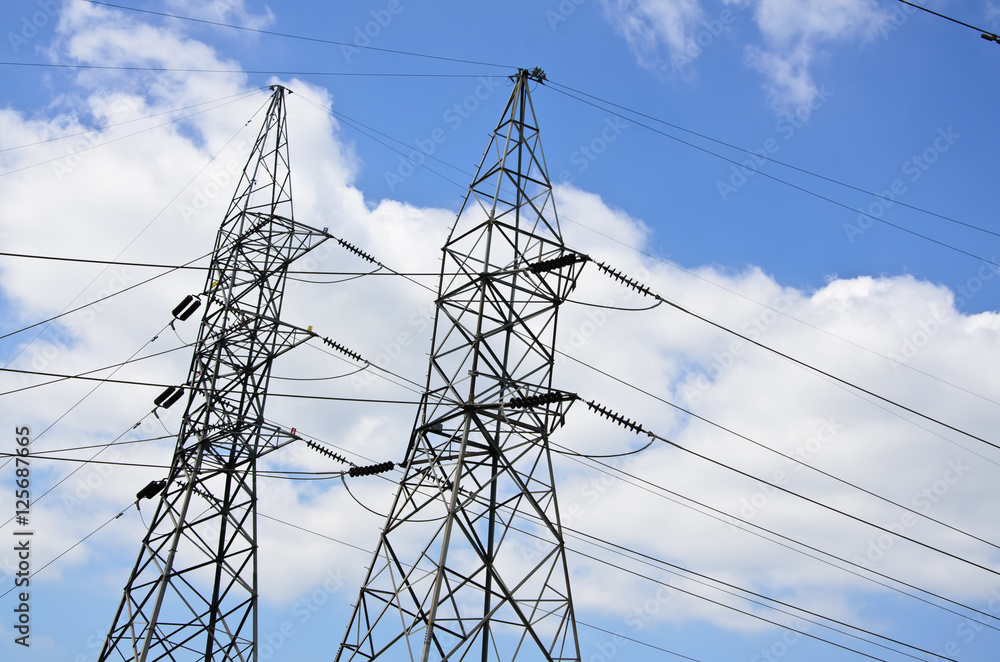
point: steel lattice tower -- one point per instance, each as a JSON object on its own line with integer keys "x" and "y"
{"x": 193, "y": 591}
{"x": 471, "y": 564}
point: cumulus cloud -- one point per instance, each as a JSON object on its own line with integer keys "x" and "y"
{"x": 158, "y": 196}
{"x": 795, "y": 34}
{"x": 659, "y": 32}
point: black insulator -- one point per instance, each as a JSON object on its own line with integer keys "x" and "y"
{"x": 168, "y": 403}
{"x": 990, "y": 37}
{"x": 183, "y": 304}
{"x": 190, "y": 310}
{"x": 557, "y": 263}
{"x": 186, "y": 308}
{"x": 542, "y": 399}
{"x": 172, "y": 393}
{"x": 151, "y": 490}
{"x": 371, "y": 470}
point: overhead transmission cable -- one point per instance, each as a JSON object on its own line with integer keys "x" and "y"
{"x": 263, "y": 72}
{"x": 789, "y": 184}
{"x": 790, "y": 544}
{"x": 638, "y": 429}
{"x": 790, "y": 458}
{"x": 642, "y": 289}
{"x": 136, "y": 237}
{"x": 619, "y": 550}
{"x": 111, "y": 141}
{"x": 90, "y": 372}
{"x": 985, "y": 34}
{"x": 234, "y": 97}
{"x": 91, "y": 303}
{"x": 302, "y": 38}
{"x": 369, "y": 553}
{"x": 352, "y": 122}
{"x": 768, "y": 157}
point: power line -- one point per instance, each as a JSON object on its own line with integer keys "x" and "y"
{"x": 107, "y": 367}
{"x": 130, "y": 382}
{"x": 986, "y": 34}
{"x": 789, "y": 184}
{"x": 142, "y": 231}
{"x": 779, "y": 453}
{"x": 73, "y": 546}
{"x": 770, "y": 159}
{"x": 651, "y": 560}
{"x": 646, "y": 291}
{"x": 104, "y": 127}
{"x": 263, "y": 72}
{"x": 302, "y": 38}
{"x": 726, "y": 518}
{"x": 125, "y": 137}
{"x": 86, "y": 305}
{"x": 352, "y": 122}
{"x": 638, "y": 429}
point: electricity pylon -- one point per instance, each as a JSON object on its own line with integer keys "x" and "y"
{"x": 193, "y": 591}
{"x": 471, "y": 564}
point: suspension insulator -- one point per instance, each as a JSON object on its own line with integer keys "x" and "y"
{"x": 325, "y": 451}
{"x": 186, "y": 308}
{"x": 542, "y": 399}
{"x": 343, "y": 350}
{"x": 357, "y": 251}
{"x": 625, "y": 280}
{"x": 371, "y": 470}
{"x": 169, "y": 397}
{"x": 617, "y": 418}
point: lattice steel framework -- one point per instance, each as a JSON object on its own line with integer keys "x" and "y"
{"x": 193, "y": 592}
{"x": 471, "y": 564}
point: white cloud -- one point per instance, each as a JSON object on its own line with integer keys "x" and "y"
{"x": 223, "y": 11}
{"x": 796, "y": 31}
{"x": 795, "y": 34}
{"x": 650, "y": 26}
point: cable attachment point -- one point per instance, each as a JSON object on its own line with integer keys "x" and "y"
{"x": 357, "y": 251}
{"x": 325, "y": 451}
{"x": 343, "y": 350}
{"x": 371, "y": 470}
{"x": 543, "y": 399}
{"x": 535, "y": 74}
{"x": 629, "y": 282}
{"x": 557, "y": 263}
{"x": 617, "y": 418}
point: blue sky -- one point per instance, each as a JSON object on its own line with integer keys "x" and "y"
{"x": 889, "y": 100}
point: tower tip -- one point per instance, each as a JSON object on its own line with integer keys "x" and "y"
{"x": 535, "y": 74}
